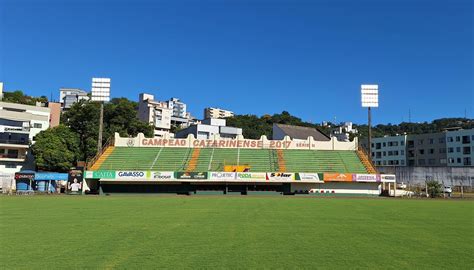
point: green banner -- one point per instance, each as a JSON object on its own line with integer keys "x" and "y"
{"x": 103, "y": 174}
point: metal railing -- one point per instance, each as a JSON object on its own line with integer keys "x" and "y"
{"x": 22, "y": 142}
{"x": 110, "y": 142}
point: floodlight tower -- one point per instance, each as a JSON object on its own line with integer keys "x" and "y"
{"x": 100, "y": 92}
{"x": 370, "y": 99}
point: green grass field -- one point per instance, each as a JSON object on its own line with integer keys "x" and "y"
{"x": 46, "y": 232}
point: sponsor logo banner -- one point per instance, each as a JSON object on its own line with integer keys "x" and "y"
{"x": 366, "y": 177}
{"x": 104, "y": 174}
{"x": 280, "y": 176}
{"x": 131, "y": 175}
{"x": 24, "y": 176}
{"x": 160, "y": 176}
{"x": 191, "y": 175}
{"x": 222, "y": 175}
{"x": 310, "y": 177}
{"x": 246, "y": 176}
{"x": 338, "y": 177}
{"x": 388, "y": 178}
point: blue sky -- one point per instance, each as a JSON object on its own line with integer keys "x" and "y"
{"x": 306, "y": 57}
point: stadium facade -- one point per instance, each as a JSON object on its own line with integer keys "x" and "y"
{"x": 233, "y": 166}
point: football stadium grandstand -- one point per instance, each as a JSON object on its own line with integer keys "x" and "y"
{"x": 229, "y": 166}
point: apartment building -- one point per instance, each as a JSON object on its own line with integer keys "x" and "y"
{"x": 460, "y": 147}
{"x": 154, "y": 112}
{"x": 389, "y": 151}
{"x": 217, "y": 113}
{"x": 19, "y": 124}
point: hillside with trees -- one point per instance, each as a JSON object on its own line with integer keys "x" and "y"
{"x": 21, "y": 98}
{"x": 254, "y": 126}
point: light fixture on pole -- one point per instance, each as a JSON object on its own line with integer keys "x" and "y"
{"x": 101, "y": 93}
{"x": 370, "y": 99}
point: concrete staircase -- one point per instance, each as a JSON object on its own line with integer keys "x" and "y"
{"x": 194, "y": 160}
{"x": 98, "y": 163}
{"x": 367, "y": 163}
{"x": 281, "y": 160}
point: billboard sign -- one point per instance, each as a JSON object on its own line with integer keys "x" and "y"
{"x": 131, "y": 175}
{"x": 280, "y": 176}
{"x": 366, "y": 177}
{"x": 310, "y": 177}
{"x": 160, "y": 176}
{"x": 370, "y": 95}
{"x": 390, "y": 178}
{"x": 74, "y": 182}
{"x": 248, "y": 176}
{"x": 338, "y": 177}
{"x": 102, "y": 174}
{"x": 191, "y": 175}
{"x": 222, "y": 175}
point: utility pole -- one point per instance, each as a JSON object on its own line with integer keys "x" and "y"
{"x": 101, "y": 123}
{"x": 370, "y": 133}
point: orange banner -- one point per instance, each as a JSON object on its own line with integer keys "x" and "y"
{"x": 338, "y": 177}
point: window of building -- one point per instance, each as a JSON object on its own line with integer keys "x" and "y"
{"x": 431, "y": 161}
{"x": 372, "y": 144}
{"x": 421, "y": 162}
{"x": 431, "y": 141}
{"x": 377, "y": 146}
{"x": 384, "y": 162}
{"x": 390, "y": 153}
{"x": 384, "y": 144}
{"x": 403, "y": 143}
{"x": 384, "y": 153}
{"x": 472, "y": 137}
{"x": 402, "y": 162}
{"x": 458, "y": 149}
{"x": 402, "y": 152}
{"x": 395, "y": 143}
{"x": 395, "y": 153}
{"x": 458, "y": 138}
{"x": 458, "y": 160}
{"x": 466, "y": 139}
{"x": 10, "y": 166}
{"x": 36, "y": 125}
{"x": 466, "y": 150}
{"x": 432, "y": 151}
{"x": 421, "y": 151}
{"x": 467, "y": 161}
{"x": 420, "y": 142}
{"x": 450, "y": 139}
{"x": 442, "y": 150}
{"x": 450, "y": 160}
{"x": 450, "y": 150}
{"x": 441, "y": 140}
{"x": 442, "y": 161}
{"x": 377, "y": 162}
{"x": 396, "y": 162}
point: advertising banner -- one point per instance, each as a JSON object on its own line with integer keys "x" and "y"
{"x": 366, "y": 177}
{"x": 310, "y": 177}
{"x": 338, "y": 177}
{"x": 247, "y": 176}
{"x": 222, "y": 175}
{"x": 191, "y": 175}
{"x": 74, "y": 182}
{"x": 280, "y": 177}
{"x": 390, "y": 178}
{"x": 46, "y": 176}
{"x": 24, "y": 176}
{"x": 160, "y": 176}
{"x": 103, "y": 174}
{"x": 131, "y": 175}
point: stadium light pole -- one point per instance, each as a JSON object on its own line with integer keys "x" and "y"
{"x": 101, "y": 93}
{"x": 369, "y": 98}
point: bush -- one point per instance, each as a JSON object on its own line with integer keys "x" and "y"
{"x": 434, "y": 188}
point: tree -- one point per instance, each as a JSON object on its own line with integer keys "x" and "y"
{"x": 434, "y": 188}
{"x": 120, "y": 116}
{"x": 56, "y": 149}
{"x": 19, "y": 97}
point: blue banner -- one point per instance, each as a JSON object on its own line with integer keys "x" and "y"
{"x": 44, "y": 176}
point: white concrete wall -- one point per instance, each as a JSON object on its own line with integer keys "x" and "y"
{"x": 340, "y": 188}
{"x": 240, "y": 142}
